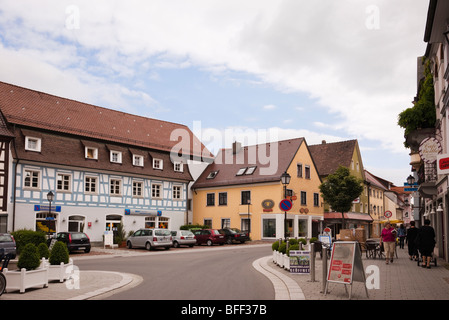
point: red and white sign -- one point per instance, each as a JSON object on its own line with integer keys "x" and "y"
{"x": 443, "y": 164}
{"x": 388, "y": 214}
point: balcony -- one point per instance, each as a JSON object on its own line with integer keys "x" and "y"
{"x": 427, "y": 180}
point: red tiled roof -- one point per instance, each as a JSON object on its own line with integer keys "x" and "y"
{"x": 228, "y": 164}
{"x": 31, "y": 108}
{"x": 329, "y": 156}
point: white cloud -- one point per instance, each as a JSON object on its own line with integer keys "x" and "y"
{"x": 269, "y": 107}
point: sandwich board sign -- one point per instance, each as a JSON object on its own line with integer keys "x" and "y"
{"x": 346, "y": 265}
{"x": 300, "y": 262}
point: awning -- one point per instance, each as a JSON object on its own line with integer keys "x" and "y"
{"x": 348, "y": 216}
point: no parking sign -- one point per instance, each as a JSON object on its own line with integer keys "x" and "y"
{"x": 285, "y": 205}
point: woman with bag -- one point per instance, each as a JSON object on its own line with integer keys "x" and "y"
{"x": 388, "y": 239}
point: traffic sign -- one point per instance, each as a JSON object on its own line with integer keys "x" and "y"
{"x": 285, "y": 205}
{"x": 388, "y": 214}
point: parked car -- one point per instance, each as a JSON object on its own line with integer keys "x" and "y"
{"x": 183, "y": 238}
{"x": 209, "y": 237}
{"x": 234, "y": 234}
{"x": 74, "y": 240}
{"x": 8, "y": 244}
{"x": 150, "y": 239}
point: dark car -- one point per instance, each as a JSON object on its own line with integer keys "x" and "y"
{"x": 234, "y": 234}
{"x": 8, "y": 244}
{"x": 74, "y": 240}
{"x": 209, "y": 237}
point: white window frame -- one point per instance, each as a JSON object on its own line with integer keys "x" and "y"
{"x": 158, "y": 164}
{"x": 178, "y": 166}
{"x": 113, "y": 183}
{"x": 64, "y": 175}
{"x": 30, "y": 184}
{"x": 90, "y": 184}
{"x": 94, "y": 155}
{"x": 115, "y": 156}
{"x": 139, "y": 162}
{"x": 156, "y": 187}
{"x": 135, "y": 187}
{"x": 37, "y": 141}
{"x": 177, "y": 194}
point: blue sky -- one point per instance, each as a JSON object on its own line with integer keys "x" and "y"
{"x": 324, "y": 70}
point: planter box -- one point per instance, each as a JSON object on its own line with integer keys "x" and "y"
{"x": 60, "y": 272}
{"x": 23, "y": 279}
{"x": 286, "y": 262}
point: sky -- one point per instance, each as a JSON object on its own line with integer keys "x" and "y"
{"x": 252, "y": 70}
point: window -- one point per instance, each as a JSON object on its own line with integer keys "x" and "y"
{"x": 63, "y": 182}
{"x": 137, "y": 160}
{"x": 288, "y": 192}
{"x": 210, "y": 201}
{"x": 299, "y": 170}
{"x": 156, "y": 191}
{"x": 302, "y": 228}
{"x": 246, "y": 197}
{"x": 307, "y": 172}
{"x": 177, "y": 192}
{"x": 137, "y": 188}
{"x": 33, "y": 144}
{"x": 212, "y": 175}
{"x": 179, "y": 167}
{"x": 91, "y": 153}
{"x": 90, "y": 185}
{"x": 32, "y": 179}
{"x": 115, "y": 187}
{"x": 241, "y": 171}
{"x": 208, "y": 222}
{"x": 316, "y": 199}
{"x": 225, "y": 223}
{"x": 157, "y": 164}
{"x": 250, "y": 170}
{"x": 245, "y": 225}
{"x": 223, "y": 199}
{"x": 116, "y": 157}
{"x": 303, "y": 198}
{"x": 269, "y": 228}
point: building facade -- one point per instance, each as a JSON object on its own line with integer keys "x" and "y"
{"x": 103, "y": 167}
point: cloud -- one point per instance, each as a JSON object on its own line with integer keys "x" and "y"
{"x": 269, "y": 107}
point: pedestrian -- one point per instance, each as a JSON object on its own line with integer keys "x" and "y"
{"x": 401, "y": 236}
{"x": 426, "y": 243}
{"x": 411, "y": 235}
{"x": 388, "y": 239}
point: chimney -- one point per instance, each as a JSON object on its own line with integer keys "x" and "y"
{"x": 236, "y": 147}
{"x": 323, "y": 142}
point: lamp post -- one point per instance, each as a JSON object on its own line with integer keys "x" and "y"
{"x": 50, "y": 198}
{"x": 248, "y": 202}
{"x": 285, "y": 179}
{"x": 411, "y": 180}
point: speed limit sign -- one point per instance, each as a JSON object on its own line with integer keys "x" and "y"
{"x": 388, "y": 214}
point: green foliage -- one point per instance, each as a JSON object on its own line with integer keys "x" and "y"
{"x": 275, "y": 246}
{"x": 59, "y": 253}
{"x": 293, "y": 247}
{"x": 25, "y": 236}
{"x": 422, "y": 114}
{"x": 283, "y": 247}
{"x": 29, "y": 258}
{"x": 194, "y": 227}
{"x": 42, "y": 248}
{"x": 120, "y": 235}
{"x": 313, "y": 239}
{"x": 293, "y": 241}
{"x": 303, "y": 241}
{"x": 340, "y": 189}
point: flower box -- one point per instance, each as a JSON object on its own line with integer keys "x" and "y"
{"x": 60, "y": 272}
{"x": 24, "y": 279}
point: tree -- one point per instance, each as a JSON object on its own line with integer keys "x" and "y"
{"x": 340, "y": 189}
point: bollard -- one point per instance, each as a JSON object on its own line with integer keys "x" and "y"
{"x": 312, "y": 262}
{"x": 324, "y": 258}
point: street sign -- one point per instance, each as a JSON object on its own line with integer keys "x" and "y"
{"x": 388, "y": 214}
{"x": 410, "y": 189}
{"x": 285, "y": 205}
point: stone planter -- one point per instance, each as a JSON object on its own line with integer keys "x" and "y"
{"x": 60, "y": 272}
{"x": 23, "y": 279}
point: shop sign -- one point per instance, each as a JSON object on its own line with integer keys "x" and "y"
{"x": 443, "y": 164}
{"x": 429, "y": 149}
{"x": 140, "y": 212}
{"x": 39, "y": 207}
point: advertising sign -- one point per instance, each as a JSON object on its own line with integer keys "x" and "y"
{"x": 429, "y": 149}
{"x": 443, "y": 164}
{"x": 300, "y": 262}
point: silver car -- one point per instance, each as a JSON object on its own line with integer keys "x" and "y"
{"x": 183, "y": 238}
{"x": 8, "y": 244}
{"x": 150, "y": 239}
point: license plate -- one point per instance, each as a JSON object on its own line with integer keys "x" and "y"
{"x": 81, "y": 248}
{"x": 221, "y": 237}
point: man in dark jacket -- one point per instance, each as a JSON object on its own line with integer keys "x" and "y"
{"x": 426, "y": 243}
{"x": 412, "y": 233}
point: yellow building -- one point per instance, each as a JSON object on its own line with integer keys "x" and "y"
{"x": 242, "y": 189}
{"x": 377, "y": 204}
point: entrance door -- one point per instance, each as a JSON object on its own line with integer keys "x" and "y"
{"x": 76, "y": 223}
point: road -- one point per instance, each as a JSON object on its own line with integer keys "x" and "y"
{"x": 218, "y": 273}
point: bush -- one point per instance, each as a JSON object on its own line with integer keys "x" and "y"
{"x": 193, "y": 226}
{"x": 303, "y": 241}
{"x": 313, "y": 239}
{"x": 59, "y": 253}
{"x": 293, "y": 247}
{"x": 275, "y": 246}
{"x": 29, "y": 258}
{"x": 25, "y": 236}
{"x": 43, "y": 250}
{"x": 293, "y": 241}
{"x": 283, "y": 247}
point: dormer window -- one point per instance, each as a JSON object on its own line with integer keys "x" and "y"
{"x": 212, "y": 175}
{"x": 137, "y": 160}
{"x": 250, "y": 170}
{"x": 179, "y": 167}
{"x": 241, "y": 171}
{"x": 33, "y": 144}
{"x": 91, "y": 153}
{"x": 158, "y": 164}
{"x": 116, "y": 156}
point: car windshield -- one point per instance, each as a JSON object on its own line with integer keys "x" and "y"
{"x": 5, "y": 238}
{"x": 162, "y": 232}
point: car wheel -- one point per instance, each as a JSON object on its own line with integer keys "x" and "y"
{"x": 229, "y": 241}
{"x": 209, "y": 242}
{"x": 175, "y": 244}
{"x": 87, "y": 250}
{"x": 148, "y": 246}
{"x": 167, "y": 248}
{"x": 129, "y": 245}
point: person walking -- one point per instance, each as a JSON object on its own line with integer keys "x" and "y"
{"x": 388, "y": 239}
{"x": 411, "y": 235}
{"x": 426, "y": 243}
{"x": 401, "y": 236}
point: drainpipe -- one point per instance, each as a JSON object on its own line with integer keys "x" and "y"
{"x": 13, "y": 189}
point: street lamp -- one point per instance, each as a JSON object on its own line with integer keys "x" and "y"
{"x": 285, "y": 179}
{"x": 50, "y": 198}
{"x": 248, "y": 202}
{"x": 411, "y": 180}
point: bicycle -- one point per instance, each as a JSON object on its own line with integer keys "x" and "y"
{"x": 5, "y": 258}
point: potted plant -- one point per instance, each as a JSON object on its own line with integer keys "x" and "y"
{"x": 60, "y": 265}
{"x": 120, "y": 236}
{"x": 31, "y": 274}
